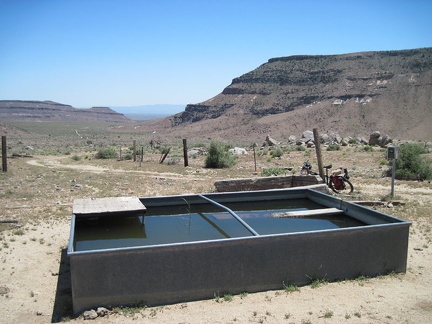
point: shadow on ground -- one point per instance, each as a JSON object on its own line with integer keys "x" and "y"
{"x": 63, "y": 300}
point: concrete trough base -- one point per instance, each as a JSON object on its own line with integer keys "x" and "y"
{"x": 182, "y": 272}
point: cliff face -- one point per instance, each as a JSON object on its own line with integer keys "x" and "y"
{"x": 357, "y": 92}
{"x": 18, "y": 110}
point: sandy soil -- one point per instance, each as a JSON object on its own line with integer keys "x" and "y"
{"x": 34, "y": 277}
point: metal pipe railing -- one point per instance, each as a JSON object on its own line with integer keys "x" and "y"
{"x": 250, "y": 229}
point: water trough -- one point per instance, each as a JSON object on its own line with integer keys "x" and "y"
{"x": 162, "y": 250}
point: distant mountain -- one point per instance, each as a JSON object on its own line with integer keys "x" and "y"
{"x": 20, "y": 110}
{"x": 146, "y": 112}
{"x": 353, "y": 94}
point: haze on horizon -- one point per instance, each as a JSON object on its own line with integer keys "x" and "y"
{"x": 134, "y": 53}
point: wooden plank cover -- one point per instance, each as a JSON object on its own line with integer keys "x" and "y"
{"x": 107, "y": 205}
{"x": 311, "y": 212}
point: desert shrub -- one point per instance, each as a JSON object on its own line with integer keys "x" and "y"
{"x": 263, "y": 152}
{"x": 352, "y": 140}
{"x": 76, "y": 158}
{"x": 267, "y": 172}
{"x": 333, "y": 147}
{"x": 218, "y": 156}
{"x": 106, "y": 153}
{"x": 300, "y": 148}
{"x": 412, "y": 164}
{"x": 277, "y": 153}
{"x": 173, "y": 161}
{"x": 128, "y": 156}
{"x": 368, "y": 148}
{"x": 164, "y": 149}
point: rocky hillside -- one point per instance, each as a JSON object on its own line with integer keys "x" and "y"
{"x": 353, "y": 94}
{"x": 18, "y": 110}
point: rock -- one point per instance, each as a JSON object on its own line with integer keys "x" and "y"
{"x": 377, "y": 139}
{"x": 345, "y": 141}
{"x": 384, "y": 140}
{"x": 270, "y": 141}
{"x": 197, "y": 151}
{"x": 324, "y": 138}
{"x": 102, "y": 311}
{"x": 363, "y": 140}
{"x": 238, "y": 151}
{"x": 374, "y": 138}
{"x": 292, "y": 139}
{"x": 307, "y": 135}
{"x": 335, "y": 138}
{"x": 90, "y": 315}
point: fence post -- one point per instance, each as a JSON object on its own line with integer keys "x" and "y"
{"x": 186, "y": 161}
{"x": 318, "y": 153}
{"x": 4, "y": 154}
{"x": 134, "y": 150}
{"x": 254, "y": 145}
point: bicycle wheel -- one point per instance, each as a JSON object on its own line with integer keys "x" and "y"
{"x": 348, "y": 187}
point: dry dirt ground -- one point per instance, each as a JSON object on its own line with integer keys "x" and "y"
{"x": 38, "y": 193}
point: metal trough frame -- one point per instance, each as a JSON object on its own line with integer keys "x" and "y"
{"x": 171, "y": 273}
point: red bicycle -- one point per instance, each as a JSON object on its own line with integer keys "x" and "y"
{"x": 338, "y": 180}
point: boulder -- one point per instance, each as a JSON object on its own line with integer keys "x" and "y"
{"x": 374, "y": 138}
{"x": 384, "y": 140}
{"x": 102, "y": 311}
{"x": 270, "y": 141}
{"x": 197, "y": 151}
{"x": 345, "y": 141}
{"x": 90, "y": 315}
{"x": 324, "y": 138}
{"x": 335, "y": 138}
{"x": 307, "y": 135}
{"x": 363, "y": 140}
{"x": 238, "y": 151}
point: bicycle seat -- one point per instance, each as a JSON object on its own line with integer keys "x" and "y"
{"x": 328, "y": 166}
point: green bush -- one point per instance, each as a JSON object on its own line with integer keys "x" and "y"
{"x": 333, "y": 147}
{"x": 411, "y": 163}
{"x": 128, "y": 156}
{"x": 106, "y": 153}
{"x": 164, "y": 149}
{"x": 277, "y": 153}
{"x": 352, "y": 140}
{"x": 368, "y": 148}
{"x": 218, "y": 156}
{"x": 76, "y": 158}
{"x": 267, "y": 172}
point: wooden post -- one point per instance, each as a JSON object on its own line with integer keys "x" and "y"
{"x": 4, "y": 154}
{"x": 142, "y": 155}
{"x": 185, "y": 156}
{"x": 254, "y": 144}
{"x": 134, "y": 150}
{"x": 318, "y": 153}
{"x": 164, "y": 156}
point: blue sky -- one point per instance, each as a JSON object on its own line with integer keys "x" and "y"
{"x": 129, "y": 52}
